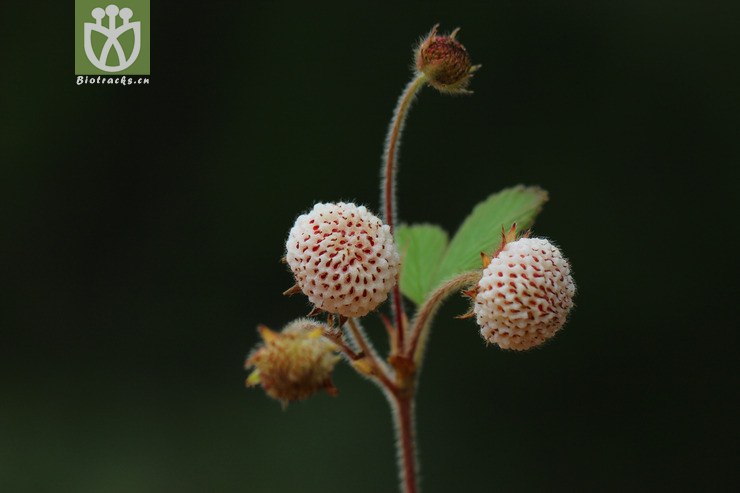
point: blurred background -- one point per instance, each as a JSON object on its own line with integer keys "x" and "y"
{"x": 142, "y": 227}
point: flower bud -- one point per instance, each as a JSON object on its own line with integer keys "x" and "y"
{"x": 524, "y": 295}
{"x": 445, "y": 62}
{"x": 295, "y": 363}
{"x": 343, "y": 258}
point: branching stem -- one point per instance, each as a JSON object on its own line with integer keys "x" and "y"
{"x": 407, "y": 344}
{"x": 336, "y": 338}
{"x": 369, "y": 352}
{"x": 425, "y": 314}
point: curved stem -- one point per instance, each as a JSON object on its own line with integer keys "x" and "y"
{"x": 350, "y": 354}
{"x": 390, "y": 168}
{"x": 392, "y": 143}
{"x": 422, "y": 321}
{"x": 368, "y": 351}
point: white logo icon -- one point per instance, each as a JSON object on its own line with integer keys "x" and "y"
{"x": 112, "y": 33}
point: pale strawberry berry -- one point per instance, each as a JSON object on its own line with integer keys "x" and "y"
{"x": 343, "y": 258}
{"x": 295, "y": 363}
{"x": 525, "y": 294}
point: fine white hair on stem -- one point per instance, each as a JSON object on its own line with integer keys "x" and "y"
{"x": 420, "y": 327}
{"x": 401, "y": 441}
{"x": 392, "y": 144}
{"x": 367, "y": 345}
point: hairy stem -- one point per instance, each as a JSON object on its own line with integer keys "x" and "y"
{"x": 367, "y": 349}
{"x": 403, "y": 414}
{"x": 338, "y": 339}
{"x": 422, "y": 322}
{"x": 390, "y": 168}
{"x": 392, "y": 144}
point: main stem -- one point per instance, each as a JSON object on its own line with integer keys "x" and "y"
{"x": 403, "y": 406}
{"x": 401, "y": 392}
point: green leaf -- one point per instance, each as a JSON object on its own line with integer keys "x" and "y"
{"x": 428, "y": 260}
{"x": 481, "y": 231}
{"x": 422, "y": 247}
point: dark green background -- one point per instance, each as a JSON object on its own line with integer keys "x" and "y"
{"x": 141, "y": 231}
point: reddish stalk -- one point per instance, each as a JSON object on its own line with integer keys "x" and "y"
{"x": 400, "y": 393}
{"x": 425, "y": 313}
{"x": 368, "y": 351}
{"x": 404, "y": 417}
{"x": 398, "y": 306}
{"x": 390, "y": 155}
{"x": 389, "y": 184}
